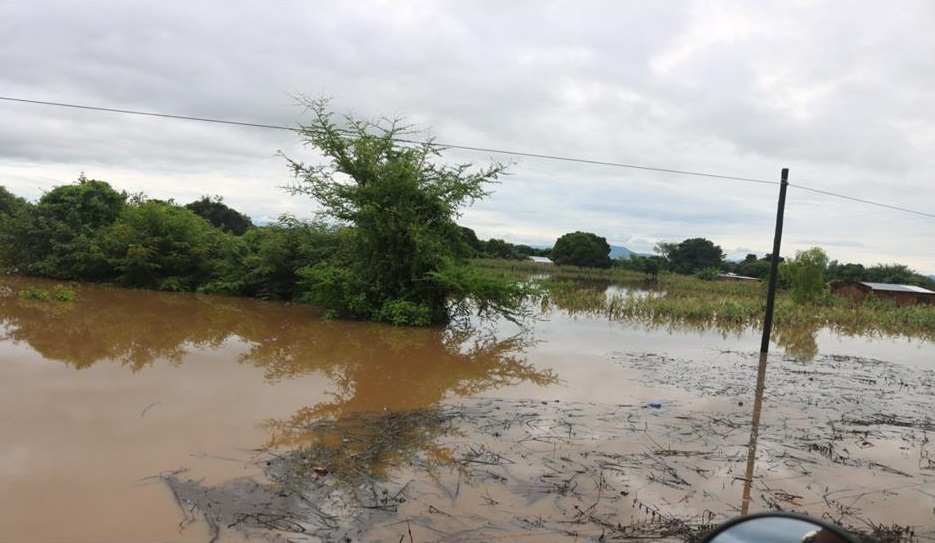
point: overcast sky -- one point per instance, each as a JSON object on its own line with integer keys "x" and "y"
{"x": 841, "y": 93}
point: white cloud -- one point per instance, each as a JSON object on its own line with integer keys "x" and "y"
{"x": 840, "y": 92}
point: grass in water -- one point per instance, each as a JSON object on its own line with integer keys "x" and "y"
{"x": 58, "y": 293}
{"x": 680, "y": 301}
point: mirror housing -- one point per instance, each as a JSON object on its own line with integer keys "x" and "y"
{"x": 777, "y": 527}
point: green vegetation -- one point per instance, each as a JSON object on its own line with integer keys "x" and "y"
{"x": 388, "y": 247}
{"x": 582, "y": 249}
{"x": 686, "y": 302}
{"x": 404, "y": 266}
{"x": 216, "y": 212}
{"x": 691, "y": 255}
{"x": 804, "y": 275}
{"x": 58, "y": 293}
{"x": 498, "y": 248}
{"x": 401, "y": 257}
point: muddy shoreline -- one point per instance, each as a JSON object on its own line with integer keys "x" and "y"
{"x": 844, "y": 438}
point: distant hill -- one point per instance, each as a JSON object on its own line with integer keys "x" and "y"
{"x": 616, "y": 251}
{"x": 619, "y": 251}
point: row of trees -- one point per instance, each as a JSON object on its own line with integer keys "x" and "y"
{"x": 809, "y": 270}
{"x": 386, "y": 246}
{"x": 89, "y": 231}
{"x": 498, "y": 248}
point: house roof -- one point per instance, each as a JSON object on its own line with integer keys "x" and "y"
{"x": 541, "y": 259}
{"x": 732, "y": 275}
{"x": 896, "y": 288}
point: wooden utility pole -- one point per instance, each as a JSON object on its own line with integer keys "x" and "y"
{"x": 764, "y": 347}
{"x": 774, "y": 263}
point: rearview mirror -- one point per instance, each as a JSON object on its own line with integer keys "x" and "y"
{"x": 778, "y": 528}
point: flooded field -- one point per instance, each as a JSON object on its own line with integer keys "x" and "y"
{"x": 133, "y": 415}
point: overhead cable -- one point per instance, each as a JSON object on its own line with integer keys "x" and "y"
{"x": 478, "y": 149}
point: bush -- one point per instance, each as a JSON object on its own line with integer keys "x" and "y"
{"x": 405, "y": 313}
{"x": 708, "y": 274}
{"x": 35, "y": 293}
{"x": 64, "y": 294}
{"x": 59, "y": 293}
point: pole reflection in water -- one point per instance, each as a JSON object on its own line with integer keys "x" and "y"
{"x": 754, "y": 432}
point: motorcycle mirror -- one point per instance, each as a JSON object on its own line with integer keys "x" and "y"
{"x": 777, "y": 528}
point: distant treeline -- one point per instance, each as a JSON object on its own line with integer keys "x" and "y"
{"x": 759, "y": 267}
{"x": 498, "y": 248}
{"x": 89, "y": 231}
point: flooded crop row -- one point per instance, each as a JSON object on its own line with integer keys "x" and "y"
{"x": 133, "y": 415}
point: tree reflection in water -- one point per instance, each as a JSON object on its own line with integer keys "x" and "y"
{"x": 374, "y": 368}
{"x": 393, "y": 369}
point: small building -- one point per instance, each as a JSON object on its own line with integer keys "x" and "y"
{"x": 731, "y": 276}
{"x": 541, "y": 260}
{"x": 901, "y": 294}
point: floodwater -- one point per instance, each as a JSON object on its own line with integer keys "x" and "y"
{"x": 104, "y": 400}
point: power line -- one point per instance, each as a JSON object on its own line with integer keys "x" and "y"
{"x": 145, "y": 113}
{"x": 861, "y": 200}
{"x": 479, "y": 149}
{"x": 599, "y": 163}
{"x": 440, "y": 144}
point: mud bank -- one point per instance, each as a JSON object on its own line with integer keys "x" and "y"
{"x": 843, "y": 438}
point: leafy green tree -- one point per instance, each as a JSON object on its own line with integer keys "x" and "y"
{"x": 164, "y": 246}
{"x": 15, "y": 212}
{"x": 708, "y": 274}
{"x": 804, "y": 275}
{"x": 216, "y": 212}
{"x": 498, "y": 248}
{"x": 400, "y": 259}
{"x": 274, "y": 255}
{"x": 846, "y": 272}
{"x": 11, "y": 204}
{"x": 62, "y": 237}
{"x": 582, "y": 249}
{"x": 691, "y": 255}
{"x": 897, "y": 273}
{"x": 758, "y": 268}
{"x": 650, "y": 265}
{"x": 474, "y": 246}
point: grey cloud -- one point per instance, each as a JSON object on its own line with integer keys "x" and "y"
{"x": 839, "y": 92}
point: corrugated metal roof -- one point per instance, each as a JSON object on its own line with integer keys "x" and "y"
{"x": 897, "y": 288}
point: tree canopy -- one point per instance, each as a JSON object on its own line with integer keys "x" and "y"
{"x": 582, "y": 249}
{"x": 222, "y": 216}
{"x": 402, "y": 257}
{"x": 60, "y": 238}
{"x": 691, "y": 255}
{"x": 804, "y": 275}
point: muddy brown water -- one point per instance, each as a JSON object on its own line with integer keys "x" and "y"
{"x": 104, "y": 400}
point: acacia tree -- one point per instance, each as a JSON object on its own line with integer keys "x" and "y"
{"x": 401, "y": 259}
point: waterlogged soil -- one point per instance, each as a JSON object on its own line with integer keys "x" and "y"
{"x": 850, "y": 442}
{"x": 143, "y": 416}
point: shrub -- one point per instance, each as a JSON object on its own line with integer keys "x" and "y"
{"x": 405, "y": 313}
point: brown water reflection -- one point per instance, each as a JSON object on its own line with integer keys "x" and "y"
{"x": 394, "y": 369}
{"x": 169, "y": 381}
{"x": 374, "y": 367}
{"x": 212, "y": 377}
{"x": 133, "y": 328}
